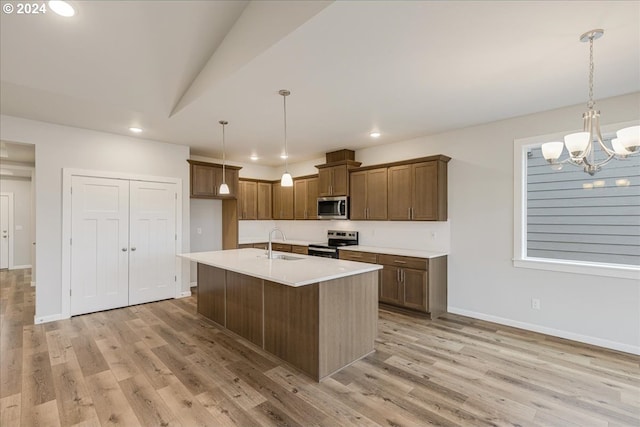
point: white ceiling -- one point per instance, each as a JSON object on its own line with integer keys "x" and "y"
{"x": 407, "y": 69}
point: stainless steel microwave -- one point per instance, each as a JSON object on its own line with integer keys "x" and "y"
{"x": 333, "y": 207}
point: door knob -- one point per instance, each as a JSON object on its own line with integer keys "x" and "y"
{"x": 124, "y": 249}
{"x": 133, "y": 248}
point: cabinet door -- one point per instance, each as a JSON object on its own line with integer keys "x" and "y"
{"x": 415, "y": 288}
{"x": 425, "y": 191}
{"x": 300, "y": 198}
{"x": 312, "y": 198}
{"x": 358, "y": 198}
{"x": 264, "y": 200}
{"x": 389, "y": 285}
{"x": 325, "y": 181}
{"x": 399, "y": 192}
{"x": 231, "y": 177}
{"x": 340, "y": 183}
{"x": 377, "y": 194}
{"x": 247, "y": 200}
{"x": 282, "y": 201}
{"x": 202, "y": 181}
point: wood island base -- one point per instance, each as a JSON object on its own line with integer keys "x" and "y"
{"x": 319, "y": 328}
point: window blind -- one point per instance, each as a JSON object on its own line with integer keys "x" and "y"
{"x": 574, "y": 216}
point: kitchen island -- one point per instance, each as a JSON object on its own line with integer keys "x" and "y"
{"x": 317, "y": 314}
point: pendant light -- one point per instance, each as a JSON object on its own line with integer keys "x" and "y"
{"x": 224, "y": 188}
{"x": 286, "y": 180}
{"x": 582, "y": 145}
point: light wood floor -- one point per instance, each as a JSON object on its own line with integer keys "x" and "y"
{"x": 161, "y": 364}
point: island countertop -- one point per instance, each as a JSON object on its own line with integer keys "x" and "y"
{"x": 299, "y": 272}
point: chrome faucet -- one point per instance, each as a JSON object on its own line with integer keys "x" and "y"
{"x": 269, "y": 250}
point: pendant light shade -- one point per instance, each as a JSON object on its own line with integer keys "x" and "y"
{"x": 224, "y": 188}
{"x": 287, "y": 180}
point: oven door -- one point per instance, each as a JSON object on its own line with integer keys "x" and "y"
{"x": 323, "y": 252}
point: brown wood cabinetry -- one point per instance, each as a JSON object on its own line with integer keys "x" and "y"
{"x": 244, "y": 306}
{"x": 247, "y": 200}
{"x": 211, "y": 293}
{"x": 305, "y": 198}
{"x": 207, "y": 177}
{"x": 368, "y": 194}
{"x": 333, "y": 178}
{"x": 417, "y": 284}
{"x": 299, "y": 249}
{"x": 281, "y": 247}
{"x": 264, "y": 200}
{"x": 418, "y": 191}
{"x": 282, "y": 201}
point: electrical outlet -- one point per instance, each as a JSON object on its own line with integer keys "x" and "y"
{"x": 433, "y": 235}
{"x": 535, "y": 303}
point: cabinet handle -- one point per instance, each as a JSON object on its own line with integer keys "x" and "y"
{"x": 399, "y": 262}
{"x": 368, "y": 214}
{"x": 403, "y": 276}
{"x": 411, "y": 213}
{"x": 398, "y": 275}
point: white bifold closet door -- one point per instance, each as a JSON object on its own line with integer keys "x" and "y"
{"x": 123, "y": 238}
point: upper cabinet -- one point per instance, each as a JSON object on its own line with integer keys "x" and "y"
{"x": 282, "y": 201}
{"x": 369, "y": 194}
{"x": 418, "y": 191}
{"x": 333, "y": 179}
{"x": 264, "y": 200}
{"x": 305, "y": 198}
{"x": 248, "y": 200}
{"x": 207, "y": 177}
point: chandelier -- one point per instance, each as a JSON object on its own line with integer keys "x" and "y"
{"x": 581, "y": 145}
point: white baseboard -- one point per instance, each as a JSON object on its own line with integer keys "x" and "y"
{"x": 46, "y": 319}
{"x": 184, "y": 294}
{"x": 20, "y": 267}
{"x": 549, "y": 331}
{"x": 193, "y": 284}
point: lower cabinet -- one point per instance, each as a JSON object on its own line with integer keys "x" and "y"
{"x": 211, "y": 293}
{"x": 417, "y": 284}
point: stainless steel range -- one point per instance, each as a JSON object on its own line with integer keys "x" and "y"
{"x": 335, "y": 239}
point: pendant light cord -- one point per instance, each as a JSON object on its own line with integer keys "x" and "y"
{"x": 224, "y": 152}
{"x": 286, "y": 151}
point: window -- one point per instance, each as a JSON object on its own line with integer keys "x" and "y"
{"x": 570, "y": 221}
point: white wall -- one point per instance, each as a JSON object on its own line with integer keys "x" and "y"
{"x": 482, "y": 280}
{"x": 206, "y": 229}
{"x": 22, "y": 224}
{"x": 59, "y": 147}
{"x": 483, "y": 283}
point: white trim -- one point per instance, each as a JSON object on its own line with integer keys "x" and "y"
{"x": 613, "y": 345}
{"x": 184, "y": 294}
{"x": 591, "y": 269}
{"x": 11, "y": 229}
{"x": 67, "y": 175}
{"x": 50, "y": 318}
{"x": 33, "y": 284}
{"x": 193, "y": 284}
{"x": 20, "y": 267}
{"x": 520, "y": 147}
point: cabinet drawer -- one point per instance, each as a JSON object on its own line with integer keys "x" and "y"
{"x": 359, "y": 256}
{"x": 403, "y": 261}
{"x": 245, "y": 245}
{"x": 281, "y": 247}
{"x": 302, "y": 250}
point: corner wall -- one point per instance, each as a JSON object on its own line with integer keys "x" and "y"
{"x": 59, "y": 147}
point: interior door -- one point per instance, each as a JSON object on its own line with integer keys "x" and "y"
{"x": 100, "y": 244}
{"x": 152, "y": 270}
{"x": 4, "y": 231}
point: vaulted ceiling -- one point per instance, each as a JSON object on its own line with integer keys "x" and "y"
{"x": 174, "y": 68}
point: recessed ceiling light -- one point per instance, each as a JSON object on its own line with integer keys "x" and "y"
{"x": 284, "y": 156}
{"x": 374, "y": 134}
{"x": 254, "y": 157}
{"x": 62, "y": 8}
{"x": 135, "y": 130}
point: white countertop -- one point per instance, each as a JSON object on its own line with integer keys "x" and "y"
{"x": 304, "y": 271}
{"x": 249, "y": 240}
{"x": 395, "y": 251}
